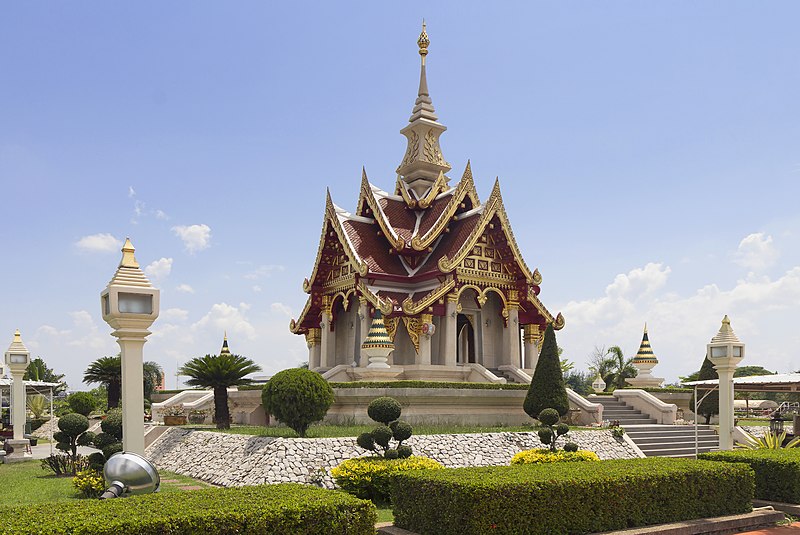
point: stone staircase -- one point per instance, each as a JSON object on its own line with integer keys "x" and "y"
{"x": 657, "y": 440}
{"x": 619, "y": 410}
{"x": 673, "y": 440}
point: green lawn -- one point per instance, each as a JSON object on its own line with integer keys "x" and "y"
{"x": 332, "y": 431}
{"x": 26, "y": 483}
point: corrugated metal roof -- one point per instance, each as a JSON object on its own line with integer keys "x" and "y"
{"x": 781, "y": 382}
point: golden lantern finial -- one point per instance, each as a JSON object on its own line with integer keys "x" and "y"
{"x": 423, "y": 42}
{"x": 128, "y": 259}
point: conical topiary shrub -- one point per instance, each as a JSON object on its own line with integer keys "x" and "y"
{"x": 547, "y": 388}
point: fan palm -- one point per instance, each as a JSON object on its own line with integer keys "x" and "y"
{"x": 219, "y": 372}
{"x": 108, "y": 372}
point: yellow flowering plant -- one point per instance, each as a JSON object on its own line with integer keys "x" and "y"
{"x": 90, "y": 483}
{"x": 369, "y": 477}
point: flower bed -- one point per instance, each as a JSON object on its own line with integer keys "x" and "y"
{"x": 285, "y": 509}
{"x": 584, "y": 497}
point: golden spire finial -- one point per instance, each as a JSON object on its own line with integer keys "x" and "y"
{"x": 645, "y": 326}
{"x": 225, "y": 334}
{"x": 423, "y": 42}
{"x": 128, "y": 259}
{"x": 17, "y": 336}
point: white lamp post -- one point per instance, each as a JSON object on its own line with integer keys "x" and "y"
{"x": 130, "y": 305}
{"x": 17, "y": 359}
{"x": 725, "y": 351}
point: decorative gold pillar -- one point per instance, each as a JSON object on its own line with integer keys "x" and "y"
{"x": 363, "y": 316}
{"x": 449, "y": 329}
{"x": 313, "y": 342}
{"x": 425, "y": 324}
{"x": 532, "y": 339}
{"x": 511, "y": 349}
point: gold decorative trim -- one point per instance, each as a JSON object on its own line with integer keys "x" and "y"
{"x": 313, "y": 337}
{"x": 465, "y": 188}
{"x": 438, "y": 186}
{"x": 494, "y": 206}
{"x": 391, "y": 326}
{"x": 294, "y": 326}
{"x": 384, "y": 306}
{"x": 558, "y": 322}
{"x": 413, "y": 326}
{"x": 413, "y": 308}
{"x": 537, "y": 277}
{"x": 398, "y": 244}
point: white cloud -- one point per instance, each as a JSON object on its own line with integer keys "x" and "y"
{"x": 131, "y": 192}
{"x": 223, "y": 316}
{"x": 280, "y": 308}
{"x": 756, "y": 252}
{"x": 103, "y": 243}
{"x": 680, "y": 324}
{"x": 159, "y": 269}
{"x": 184, "y": 288}
{"x": 175, "y": 314}
{"x": 257, "y": 288}
{"x": 195, "y": 237}
{"x": 263, "y": 271}
{"x": 160, "y": 214}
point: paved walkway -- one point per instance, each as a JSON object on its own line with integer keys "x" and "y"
{"x": 780, "y": 530}
{"x": 42, "y": 451}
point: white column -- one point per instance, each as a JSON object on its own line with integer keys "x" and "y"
{"x": 511, "y": 354}
{"x": 725, "y": 405}
{"x": 424, "y": 355}
{"x": 325, "y": 340}
{"x": 313, "y": 342}
{"x": 530, "y": 338}
{"x": 449, "y": 331}
{"x": 131, "y": 343}
{"x": 18, "y": 405}
{"x": 363, "y": 316}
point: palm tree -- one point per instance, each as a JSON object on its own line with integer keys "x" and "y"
{"x": 108, "y": 372}
{"x": 219, "y": 372}
{"x": 620, "y": 369}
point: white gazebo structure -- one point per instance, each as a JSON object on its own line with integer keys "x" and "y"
{"x": 32, "y": 388}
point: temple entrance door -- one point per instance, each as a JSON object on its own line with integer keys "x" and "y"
{"x": 465, "y": 339}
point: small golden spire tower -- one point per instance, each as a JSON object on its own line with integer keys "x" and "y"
{"x": 225, "y": 350}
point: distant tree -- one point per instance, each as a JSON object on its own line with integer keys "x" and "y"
{"x": 219, "y": 372}
{"x": 620, "y": 368}
{"x": 81, "y": 402}
{"x": 600, "y": 364}
{"x": 547, "y": 389}
{"x": 709, "y": 406}
{"x": 580, "y": 382}
{"x": 152, "y": 373}
{"x": 749, "y": 371}
{"x": 38, "y": 371}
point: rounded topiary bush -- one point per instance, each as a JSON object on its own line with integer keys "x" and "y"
{"x": 404, "y": 451}
{"x": 113, "y": 424}
{"x": 570, "y": 447}
{"x": 401, "y": 430}
{"x": 297, "y": 397}
{"x": 73, "y": 424}
{"x": 549, "y": 417}
{"x": 366, "y": 441}
{"x": 81, "y": 402}
{"x": 384, "y": 410}
{"x": 542, "y": 456}
{"x": 382, "y": 435}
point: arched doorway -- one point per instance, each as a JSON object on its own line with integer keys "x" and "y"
{"x": 465, "y": 339}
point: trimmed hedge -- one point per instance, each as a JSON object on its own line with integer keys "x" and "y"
{"x": 568, "y": 497}
{"x": 543, "y": 456}
{"x": 369, "y": 477}
{"x": 777, "y": 471}
{"x": 278, "y": 509}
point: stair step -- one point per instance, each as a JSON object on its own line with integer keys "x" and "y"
{"x": 678, "y": 444}
{"x": 651, "y": 434}
{"x": 677, "y": 452}
{"x": 641, "y": 442}
{"x": 635, "y": 421}
{"x": 672, "y": 428}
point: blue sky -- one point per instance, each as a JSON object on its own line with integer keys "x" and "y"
{"x": 648, "y": 155}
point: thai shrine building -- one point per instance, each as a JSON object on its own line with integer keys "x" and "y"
{"x": 443, "y": 268}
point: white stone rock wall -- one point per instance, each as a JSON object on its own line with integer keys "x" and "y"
{"x": 237, "y": 460}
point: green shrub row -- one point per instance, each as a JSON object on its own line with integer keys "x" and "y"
{"x": 288, "y": 509}
{"x": 568, "y": 497}
{"x": 664, "y": 389}
{"x": 777, "y": 471}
